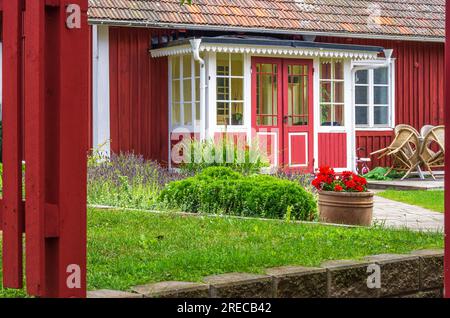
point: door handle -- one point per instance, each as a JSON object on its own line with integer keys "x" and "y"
{"x": 285, "y": 119}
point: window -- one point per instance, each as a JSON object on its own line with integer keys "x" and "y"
{"x": 185, "y": 91}
{"x": 372, "y": 98}
{"x": 331, "y": 92}
{"x": 267, "y": 94}
{"x": 230, "y": 89}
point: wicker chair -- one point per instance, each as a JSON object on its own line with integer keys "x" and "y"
{"x": 433, "y": 158}
{"x": 398, "y": 128}
{"x": 425, "y": 129}
{"x": 404, "y": 150}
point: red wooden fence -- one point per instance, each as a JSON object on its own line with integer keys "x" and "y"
{"x": 45, "y": 113}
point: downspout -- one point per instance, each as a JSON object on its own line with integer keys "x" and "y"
{"x": 387, "y": 62}
{"x": 195, "y": 43}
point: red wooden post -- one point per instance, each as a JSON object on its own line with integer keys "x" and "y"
{"x": 12, "y": 222}
{"x": 447, "y": 158}
{"x": 56, "y": 117}
{"x": 34, "y": 146}
{"x": 46, "y": 113}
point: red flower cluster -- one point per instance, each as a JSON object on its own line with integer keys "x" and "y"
{"x": 327, "y": 180}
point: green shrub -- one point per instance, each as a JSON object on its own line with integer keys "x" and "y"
{"x": 222, "y": 153}
{"x": 220, "y": 190}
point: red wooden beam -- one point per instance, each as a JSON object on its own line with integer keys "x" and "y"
{"x": 34, "y": 146}
{"x": 447, "y": 158}
{"x": 12, "y": 145}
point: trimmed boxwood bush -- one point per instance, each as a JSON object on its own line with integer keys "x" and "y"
{"x": 220, "y": 190}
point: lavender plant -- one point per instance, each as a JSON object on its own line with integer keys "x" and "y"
{"x": 127, "y": 180}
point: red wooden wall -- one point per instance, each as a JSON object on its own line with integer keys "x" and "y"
{"x": 419, "y": 87}
{"x": 139, "y": 94}
{"x": 333, "y": 141}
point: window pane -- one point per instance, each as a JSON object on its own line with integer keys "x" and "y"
{"x": 187, "y": 90}
{"x": 339, "y": 92}
{"x": 380, "y": 95}
{"x": 298, "y": 70}
{"x": 176, "y": 115}
{"x": 197, "y": 113}
{"x": 222, "y": 114}
{"x": 187, "y": 66}
{"x": 325, "y": 115}
{"x": 266, "y": 68}
{"x": 338, "y": 115}
{"x": 266, "y": 121}
{"x": 380, "y": 75}
{"x": 298, "y": 100}
{"x": 381, "y": 114}
{"x": 197, "y": 69}
{"x": 237, "y": 65}
{"x": 237, "y": 113}
{"x": 325, "y": 92}
{"x": 362, "y": 77}
{"x": 223, "y": 65}
{"x": 362, "y": 115}
{"x": 361, "y": 95}
{"x": 325, "y": 69}
{"x": 223, "y": 88}
{"x": 237, "y": 89}
{"x": 266, "y": 95}
{"x": 338, "y": 70}
{"x": 175, "y": 91}
{"x": 197, "y": 89}
{"x": 175, "y": 67}
{"x": 187, "y": 114}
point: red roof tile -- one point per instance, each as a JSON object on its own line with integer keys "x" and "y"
{"x": 403, "y": 18}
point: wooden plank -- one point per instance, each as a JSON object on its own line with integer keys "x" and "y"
{"x": 34, "y": 146}
{"x": 12, "y": 146}
{"x": 73, "y": 131}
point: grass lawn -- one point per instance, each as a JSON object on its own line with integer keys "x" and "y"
{"x": 129, "y": 248}
{"x": 432, "y": 200}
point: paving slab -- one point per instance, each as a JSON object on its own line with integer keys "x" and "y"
{"x": 401, "y": 215}
{"x": 410, "y": 184}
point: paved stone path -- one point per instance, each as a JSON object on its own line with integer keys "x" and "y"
{"x": 398, "y": 215}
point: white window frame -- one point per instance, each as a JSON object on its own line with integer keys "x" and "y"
{"x": 371, "y": 85}
{"x": 230, "y": 101}
{"x": 195, "y": 126}
{"x": 332, "y": 103}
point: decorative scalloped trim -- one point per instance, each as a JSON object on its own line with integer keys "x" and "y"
{"x": 220, "y": 48}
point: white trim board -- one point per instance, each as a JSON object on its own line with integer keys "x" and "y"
{"x": 101, "y": 93}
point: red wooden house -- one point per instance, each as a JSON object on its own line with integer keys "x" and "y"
{"x": 314, "y": 79}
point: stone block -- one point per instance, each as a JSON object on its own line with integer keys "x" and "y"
{"x": 240, "y": 285}
{"x": 400, "y": 274}
{"x": 299, "y": 282}
{"x": 348, "y": 279}
{"x": 431, "y": 268}
{"x": 173, "y": 290}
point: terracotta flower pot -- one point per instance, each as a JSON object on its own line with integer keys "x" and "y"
{"x": 349, "y": 208}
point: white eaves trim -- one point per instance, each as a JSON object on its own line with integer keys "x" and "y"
{"x": 265, "y": 50}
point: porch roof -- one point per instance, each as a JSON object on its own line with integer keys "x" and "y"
{"x": 269, "y": 46}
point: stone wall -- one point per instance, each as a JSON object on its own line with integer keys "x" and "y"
{"x": 419, "y": 274}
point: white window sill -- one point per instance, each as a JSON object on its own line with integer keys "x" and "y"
{"x": 240, "y": 128}
{"x": 374, "y": 129}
